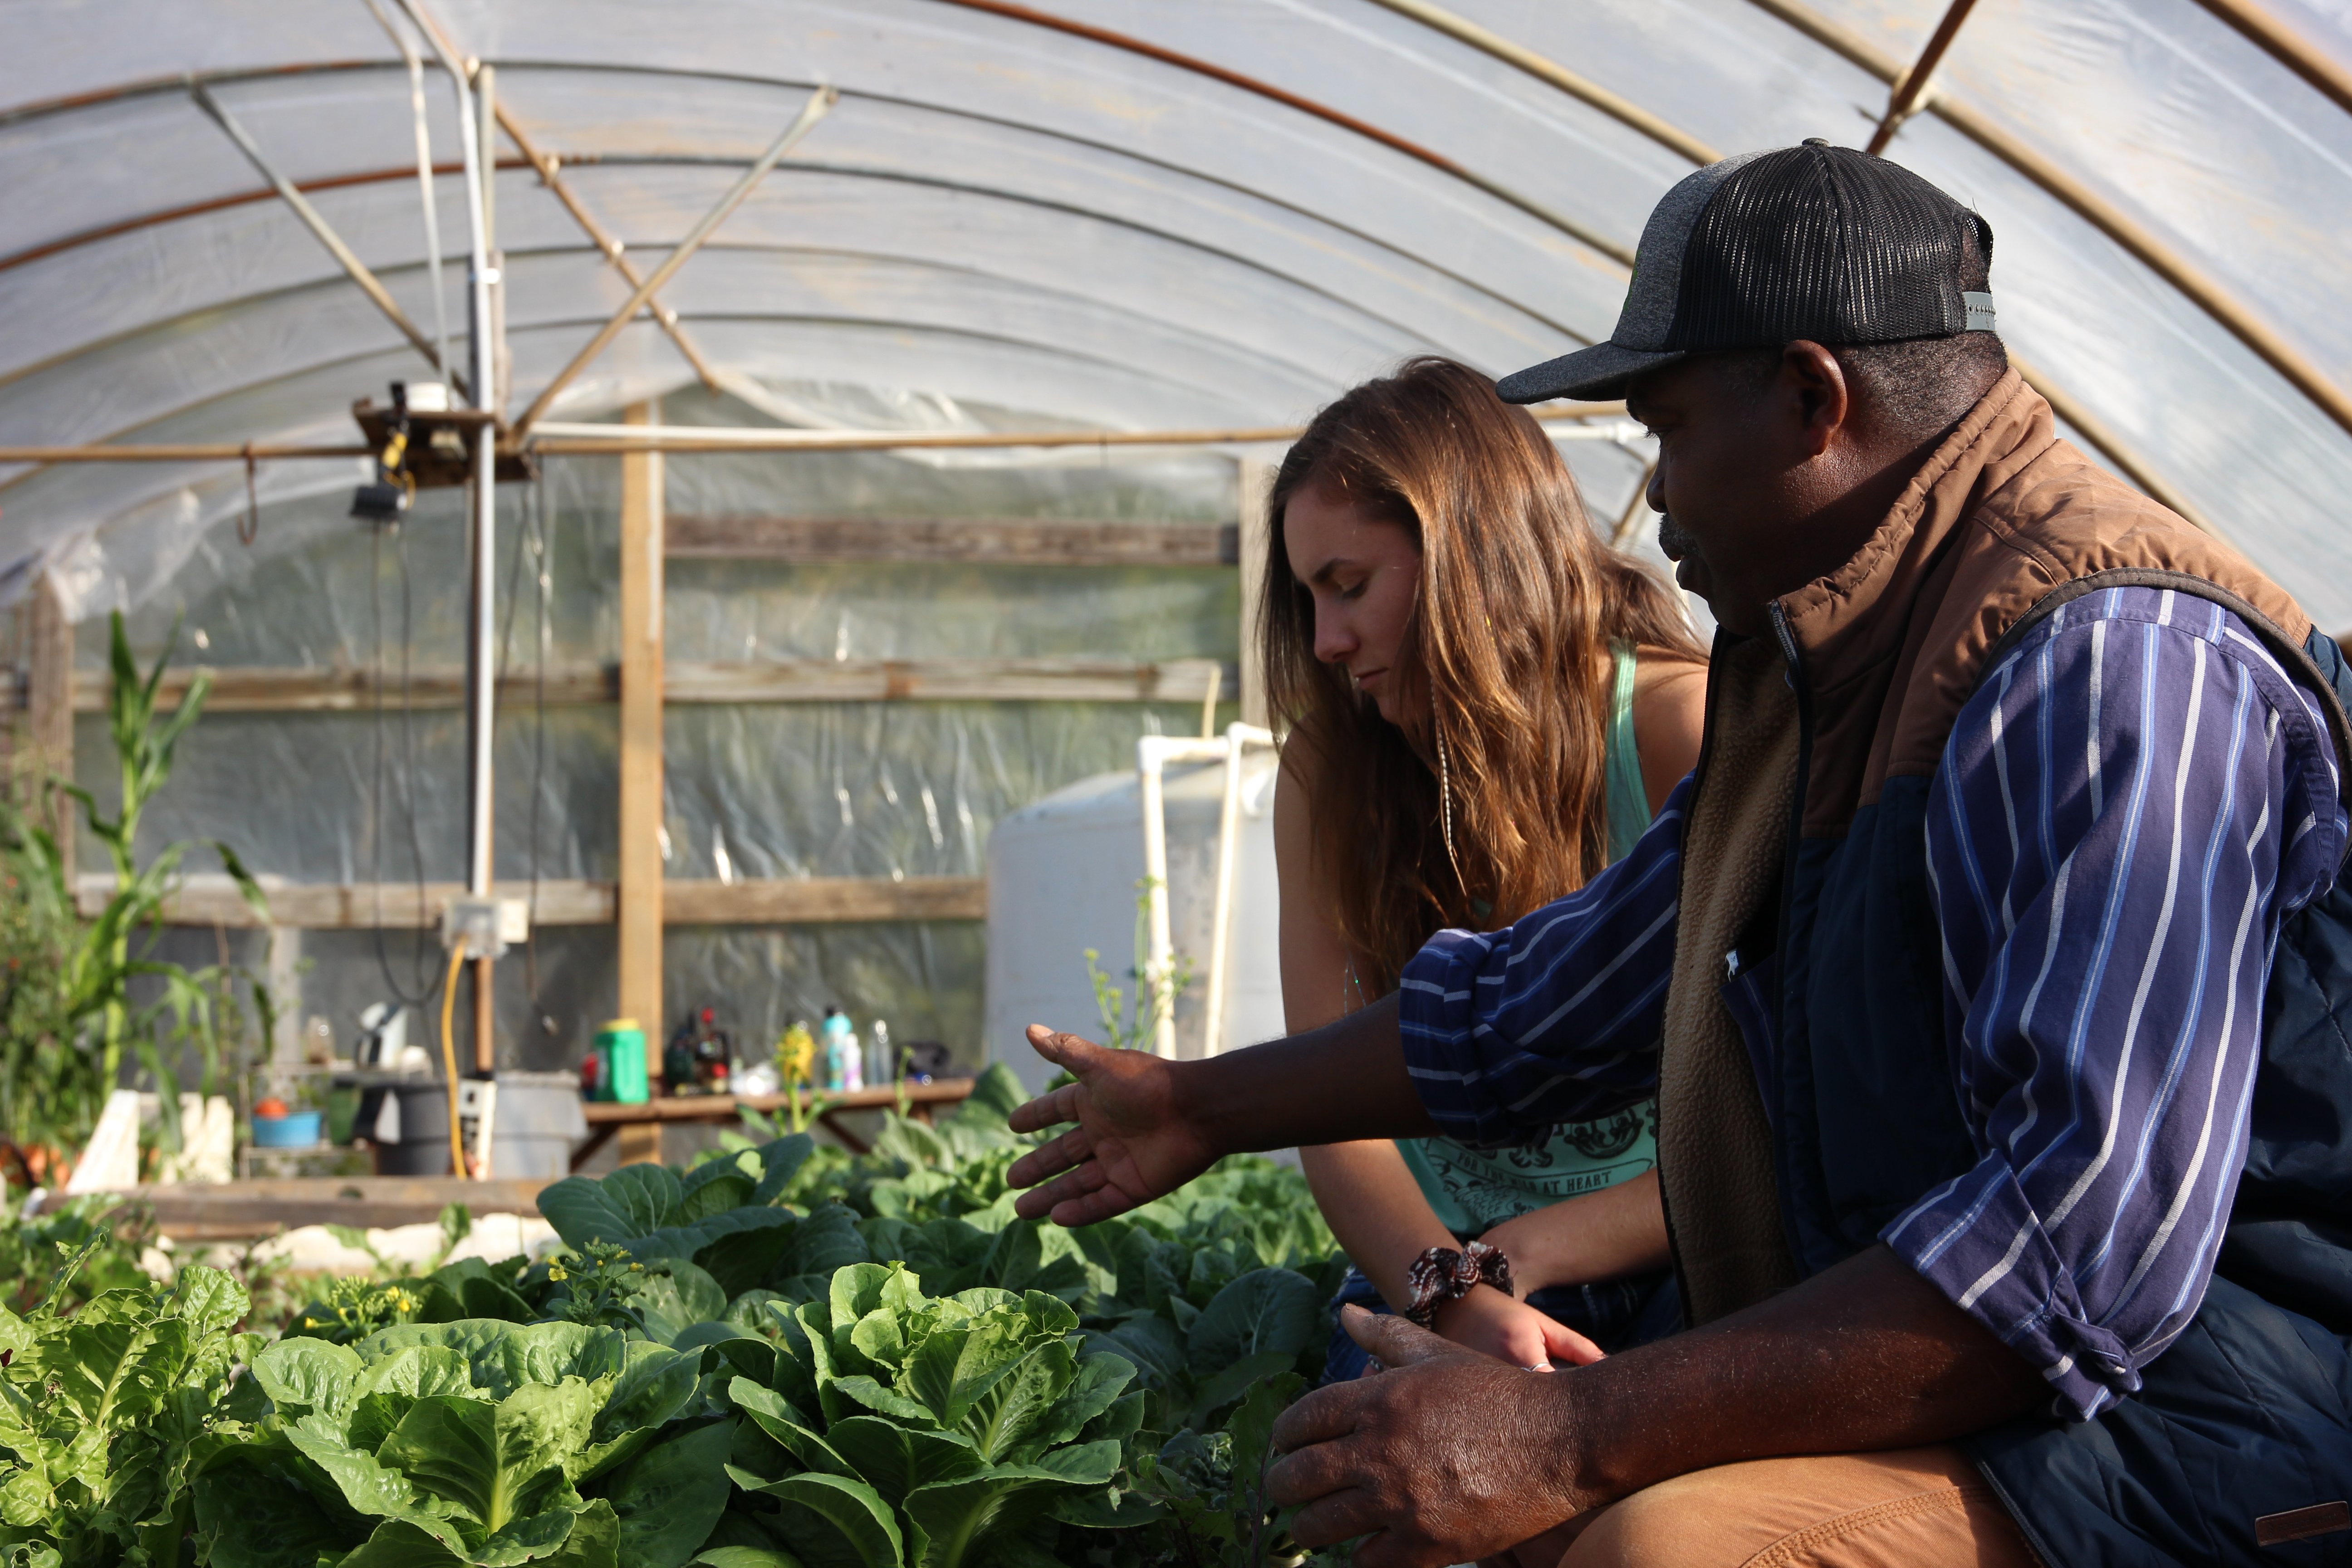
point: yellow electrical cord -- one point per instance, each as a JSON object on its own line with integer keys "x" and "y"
{"x": 449, "y": 1058}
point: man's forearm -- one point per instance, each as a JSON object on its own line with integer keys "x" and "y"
{"x": 1345, "y": 1080}
{"x": 1863, "y": 1356}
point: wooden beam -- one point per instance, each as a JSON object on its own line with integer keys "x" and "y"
{"x": 219, "y": 1212}
{"x": 640, "y": 830}
{"x": 210, "y": 899}
{"x": 994, "y": 542}
{"x": 269, "y": 689}
{"x": 727, "y": 1107}
{"x": 1253, "y": 478}
{"x": 944, "y": 680}
{"x": 48, "y": 728}
{"x": 823, "y": 900}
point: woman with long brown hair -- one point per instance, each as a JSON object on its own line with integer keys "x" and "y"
{"x": 1486, "y": 705}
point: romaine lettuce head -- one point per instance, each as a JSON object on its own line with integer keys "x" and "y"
{"x": 911, "y": 1431}
{"x": 478, "y": 1442}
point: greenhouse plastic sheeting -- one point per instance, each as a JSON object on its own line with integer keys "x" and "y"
{"x": 1083, "y": 215}
{"x": 1097, "y": 226}
{"x": 784, "y": 789}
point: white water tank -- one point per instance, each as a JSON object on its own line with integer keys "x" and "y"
{"x": 1061, "y": 878}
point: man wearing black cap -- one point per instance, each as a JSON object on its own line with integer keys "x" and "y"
{"x": 1992, "y": 972}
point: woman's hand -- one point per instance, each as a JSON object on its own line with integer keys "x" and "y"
{"x": 1489, "y": 1321}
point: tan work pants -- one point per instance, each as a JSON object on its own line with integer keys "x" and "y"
{"x": 1915, "y": 1508}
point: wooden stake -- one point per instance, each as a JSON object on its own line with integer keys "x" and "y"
{"x": 48, "y": 735}
{"x": 640, "y": 867}
{"x": 1252, "y": 477}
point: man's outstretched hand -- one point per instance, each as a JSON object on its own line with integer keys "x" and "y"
{"x": 1133, "y": 1141}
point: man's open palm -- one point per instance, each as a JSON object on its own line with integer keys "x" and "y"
{"x": 1132, "y": 1141}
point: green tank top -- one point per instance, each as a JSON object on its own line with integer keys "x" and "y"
{"x": 1474, "y": 1190}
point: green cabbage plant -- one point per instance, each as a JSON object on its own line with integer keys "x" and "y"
{"x": 103, "y": 1413}
{"x": 900, "y": 1430}
{"x": 478, "y": 1442}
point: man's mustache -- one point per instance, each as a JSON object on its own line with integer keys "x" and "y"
{"x": 1673, "y": 541}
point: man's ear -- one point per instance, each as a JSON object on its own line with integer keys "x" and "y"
{"x": 1815, "y": 385}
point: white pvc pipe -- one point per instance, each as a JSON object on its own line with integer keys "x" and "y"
{"x": 481, "y": 703}
{"x": 1238, "y": 739}
{"x": 424, "y": 177}
{"x": 1152, "y": 754}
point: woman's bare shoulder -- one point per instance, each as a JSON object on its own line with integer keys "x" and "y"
{"x": 1669, "y": 718}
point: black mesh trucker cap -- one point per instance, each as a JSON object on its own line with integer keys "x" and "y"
{"x": 1817, "y": 242}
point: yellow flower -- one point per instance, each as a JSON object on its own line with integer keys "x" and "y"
{"x": 636, "y": 1269}
{"x": 556, "y": 1274}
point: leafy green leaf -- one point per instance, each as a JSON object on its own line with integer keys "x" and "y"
{"x": 962, "y": 1519}
{"x": 676, "y": 1296}
{"x": 777, "y": 1417}
{"x": 836, "y": 1522}
{"x": 475, "y": 1292}
{"x": 1152, "y": 1343}
{"x": 824, "y": 1241}
{"x": 668, "y": 1497}
{"x": 780, "y": 1161}
{"x": 1235, "y": 1381}
{"x": 874, "y": 1396}
{"x": 253, "y": 1515}
{"x": 747, "y": 1557}
{"x": 1275, "y": 1311}
{"x": 748, "y": 1311}
{"x": 630, "y": 1203}
{"x": 894, "y": 1459}
{"x": 1097, "y": 1385}
{"x": 502, "y": 1357}
{"x": 1012, "y": 1409}
{"x": 417, "y": 1371}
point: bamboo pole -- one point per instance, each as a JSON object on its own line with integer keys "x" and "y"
{"x": 618, "y": 438}
{"x": 819, "y": 103}
{"x": 368, "y": 283}
{"x": 2166, "y": 263}
{"x": 175, "y": 452}
{"x": 1616, "y": 250}
{"x": 1911, "y": 92}
{"x": 2112, "y": 446}
{"x": 639, "y": 861}
{"x": 567, "y": 439}
{"x": 2287, "y": 47}
{"x": 548, "y": 168}
{"x": 1624, "y": 110}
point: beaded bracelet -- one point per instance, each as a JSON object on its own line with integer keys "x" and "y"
{"x": 1442, "y": 1275}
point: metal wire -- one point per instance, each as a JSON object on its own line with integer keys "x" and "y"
{"x": 425, "y": 975}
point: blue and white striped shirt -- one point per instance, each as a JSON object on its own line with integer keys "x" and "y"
{"x": 2134, "y": 800}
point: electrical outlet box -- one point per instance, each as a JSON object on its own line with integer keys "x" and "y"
{"x": 486, "y": 928}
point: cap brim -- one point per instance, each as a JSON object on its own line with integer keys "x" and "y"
{"x": 1593, "y": 375}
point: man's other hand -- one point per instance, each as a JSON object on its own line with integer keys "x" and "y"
{"x": 1132, "y": 1143}
{"x": 1437, "y": 1459}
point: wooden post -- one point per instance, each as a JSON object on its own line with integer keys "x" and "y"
{"x": 1252, "y": 477}
{"x": 639, "y": 897}
{"x": 48, "y": 732}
